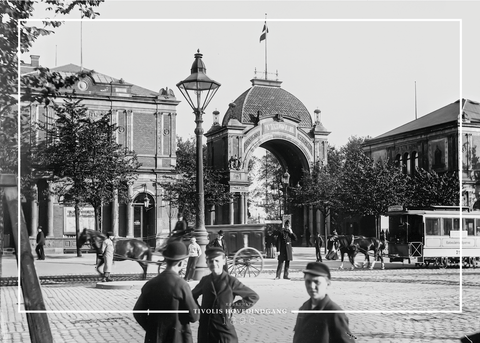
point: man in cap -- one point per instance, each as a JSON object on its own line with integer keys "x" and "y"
{"x": 218, "y": 291}
{"x": 167, "y": 291}
{"x": 219, "y": 242}
{"x": 317, "y": 326}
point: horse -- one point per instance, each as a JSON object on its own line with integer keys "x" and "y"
{"x": 124, "y": 248}
{"x": 352, "y": 245}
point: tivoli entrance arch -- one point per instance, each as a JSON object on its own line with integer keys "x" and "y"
{"x": 265, "y": 116}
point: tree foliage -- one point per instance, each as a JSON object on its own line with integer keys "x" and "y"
{"x": 427, "y": 188}
{"x": 85, "y": 162}
{"x": 180, "y": 190}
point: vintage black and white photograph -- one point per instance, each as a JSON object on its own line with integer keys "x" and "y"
{"x": 239, "y": 171}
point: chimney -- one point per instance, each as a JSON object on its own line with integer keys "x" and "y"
{"x": 35, "y": 61}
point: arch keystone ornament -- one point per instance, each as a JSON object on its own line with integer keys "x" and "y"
{"x": 264, "y": 116}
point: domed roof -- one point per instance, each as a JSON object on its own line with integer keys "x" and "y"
{"x": 267, "y": 97}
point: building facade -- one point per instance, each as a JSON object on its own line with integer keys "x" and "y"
{"x": 147, "y": 125}
{"x": 445, "y": 140}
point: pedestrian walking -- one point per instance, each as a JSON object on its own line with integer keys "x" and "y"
{"x": 218, "y": 291}
{"x": 40, "y": 244}
{"x": 107, "y": 257}
{"x": 318, "y": 244}
{"x": 194, "y": 252}
{"x": 317, "y": 326}
{"x": 167, "y": 291}
{"x": 284, "y": 250}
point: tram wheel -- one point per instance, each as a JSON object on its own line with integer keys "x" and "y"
{"x": 247, "y": 262}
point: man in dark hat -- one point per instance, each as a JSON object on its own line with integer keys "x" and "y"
{"x": 284, "y": 250}
{"x": 218, "y": 291}
{"x": 167, "y": 291}
{"x": 318, "y": 326}
{"x": 40, "y": 243}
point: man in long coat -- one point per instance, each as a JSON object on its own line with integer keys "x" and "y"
{"x": 107, "y": 254}
{"x": 40, "y": 243}
{"x": 318, "y": 244}
{"x": 284, "y": 250}
{"x": 218, "y": 291}
{"x": 167, "y": 291}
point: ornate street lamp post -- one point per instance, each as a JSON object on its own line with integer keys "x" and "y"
{"x": 285, "y": 181}
{"x": 192, "y": 88}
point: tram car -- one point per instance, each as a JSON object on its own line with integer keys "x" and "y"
{"x": 438, "y": 235}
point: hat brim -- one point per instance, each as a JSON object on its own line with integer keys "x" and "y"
{"x": 175, "y": 258}
{"x": 316, "y": 273}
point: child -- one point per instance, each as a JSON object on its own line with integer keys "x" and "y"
{"x": 317, "y": 326}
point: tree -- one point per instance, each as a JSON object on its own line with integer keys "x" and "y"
{"x": 180, "y": 190}
{"x": 85, "y": 162}
{"x": 319, "y": 189}
{"x": 369, "y": 186}
{"x": 427, "y": 188}
{"x": 11, "y": 15}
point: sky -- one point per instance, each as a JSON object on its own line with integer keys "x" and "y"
{"x": 362, "y": 63}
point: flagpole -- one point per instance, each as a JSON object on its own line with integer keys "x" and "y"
{"x": 266, "y": 46}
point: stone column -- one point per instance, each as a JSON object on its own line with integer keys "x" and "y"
{"x": 242, "y": 207}
{"x": 245, "y": 199}
{"x": 114, "y": 212}
{"x": 50, "y": 212}
{"x": 130, "y": 213}
{"x": 34, "y": 217}
{"x": 231, "y": 212}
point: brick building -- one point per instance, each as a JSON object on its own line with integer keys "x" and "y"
{"x": 147, "y": 125}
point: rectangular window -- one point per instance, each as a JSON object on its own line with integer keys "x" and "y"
{"x": 432, "y": 226}
{"x": 447, "y": 226}
{"x": 469, "y": 226}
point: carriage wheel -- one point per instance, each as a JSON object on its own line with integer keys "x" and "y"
{"x": 247, "y": 262}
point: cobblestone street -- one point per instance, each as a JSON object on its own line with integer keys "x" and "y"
{"x": 428, "y": 299}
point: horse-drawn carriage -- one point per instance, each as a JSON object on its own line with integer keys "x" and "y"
{"x": 438, "y": 235}
{"x": 244, "y": 248}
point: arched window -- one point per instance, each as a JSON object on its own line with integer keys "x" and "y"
{"x": 414, "y": 162}
{"x": 398, "y": 163}
{"x": 406, "y": 163}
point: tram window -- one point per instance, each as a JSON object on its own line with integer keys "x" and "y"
{"x": 478, "y": 227}
{"x": 447, "y": 226}
{"x": 469, "y": 226}
{"x": 456, "y": 224}
{"x": 432, "y": 228}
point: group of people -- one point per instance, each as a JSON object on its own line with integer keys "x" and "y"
{"x": 218, "y": 290}
{"x": 166, "y": 315}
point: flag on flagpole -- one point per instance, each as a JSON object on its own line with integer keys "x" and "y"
{"x": 264, "y": 32}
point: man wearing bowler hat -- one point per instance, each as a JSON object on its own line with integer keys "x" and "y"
{"x": 218, "y": 291}
{"x": 219, "y": 242}
{"x": 167, "y": 291}
{"x": 316, "y": 326}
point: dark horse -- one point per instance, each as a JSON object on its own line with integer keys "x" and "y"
{"x": 124, "y": 248}
{"x": 352, "y": 245}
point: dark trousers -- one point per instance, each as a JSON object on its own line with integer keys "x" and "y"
{"x": 191, "y": 264}
{"x": 279, "y": 268}
{"x": 40, "y": 252}
{"x": 318, "y": 253}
